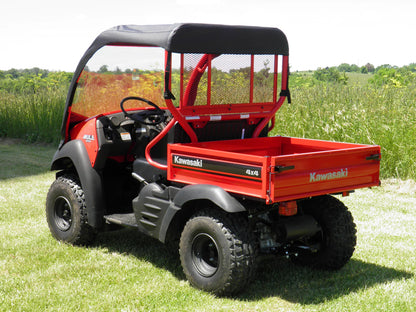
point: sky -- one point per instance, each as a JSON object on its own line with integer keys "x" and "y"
{"x": 53, "y": 35}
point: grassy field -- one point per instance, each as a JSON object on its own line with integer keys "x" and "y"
{"x": 126, "y": 271}
{"x": 356, "y": 112}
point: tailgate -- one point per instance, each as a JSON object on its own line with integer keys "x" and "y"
{"x": 340, "y": 168}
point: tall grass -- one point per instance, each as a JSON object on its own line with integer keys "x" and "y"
{"x": 384, "y": 116}
{"x": 34, "y": 117}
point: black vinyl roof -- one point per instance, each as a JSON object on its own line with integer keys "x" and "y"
{"x": 199, "y": 38}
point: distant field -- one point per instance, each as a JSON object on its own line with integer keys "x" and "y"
{"x": 353, "y": 78}
{"x": 359, "y": 79}
{"x": 127, "y": 271}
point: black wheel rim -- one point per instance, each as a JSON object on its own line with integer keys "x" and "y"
{"x": 63, "y": 214}
{"x": 205, "y": 254}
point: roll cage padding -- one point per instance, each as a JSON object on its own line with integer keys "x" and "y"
{"x": 75, "y": 152}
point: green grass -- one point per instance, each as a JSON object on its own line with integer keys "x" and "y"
{"x": 127, "y": 271}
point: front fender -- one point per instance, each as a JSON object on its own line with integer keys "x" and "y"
{"x": 75, "y": 152}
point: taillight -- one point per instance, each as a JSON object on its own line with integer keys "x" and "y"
{"x": 289, "y": 208}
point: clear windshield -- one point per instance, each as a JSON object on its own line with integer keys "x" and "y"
{"x": 115, "y": 72}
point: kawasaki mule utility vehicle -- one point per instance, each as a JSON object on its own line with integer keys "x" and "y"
{"x": 166, "y": 128}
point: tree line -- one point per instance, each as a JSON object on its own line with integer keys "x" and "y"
{"x": 32, "y": 80}
{"x": 383, "y": 75}
{"x": 35, "y": 79}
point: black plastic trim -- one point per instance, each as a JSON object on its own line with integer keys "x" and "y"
{"x": 156, "y": 207}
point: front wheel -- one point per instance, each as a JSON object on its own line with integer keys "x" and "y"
{"x": 66, "y": 212}
{"x": 217, "y": 252}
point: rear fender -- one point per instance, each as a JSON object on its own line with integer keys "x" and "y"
{"x": 215, "y": 194}
{"x": 197, "y": 192}
{"x": 90, "y": 179}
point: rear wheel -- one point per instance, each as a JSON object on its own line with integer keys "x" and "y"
{"x": 217, "y": 252}
{"x": 336, "y": 241}
{"x": 66, "y": 212}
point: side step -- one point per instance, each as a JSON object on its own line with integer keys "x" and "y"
{"x": 125, "y": 219}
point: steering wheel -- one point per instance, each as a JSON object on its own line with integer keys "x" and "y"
{"x": 146, "y": 116}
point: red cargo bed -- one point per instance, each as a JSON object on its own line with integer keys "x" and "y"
{"x": 276, "y": 168}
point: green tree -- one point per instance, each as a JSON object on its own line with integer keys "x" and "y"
{"x": 370, "y": 68}
{"x": 344, "y": 67}
{"x": 330, "y": 74}
{"x": 103, "y": 69}
{"x": 388, "y": 66}
{"x": 355, "y": 68}
{"x": 392, "y": 77}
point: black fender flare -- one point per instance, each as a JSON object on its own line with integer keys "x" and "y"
{"x": 212, "y": 193}
{"x": 90, "y": 179}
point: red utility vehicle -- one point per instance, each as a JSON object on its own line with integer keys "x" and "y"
{"x": 166, "y": 129}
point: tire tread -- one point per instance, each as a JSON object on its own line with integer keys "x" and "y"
{"x": 241, "y": 245}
